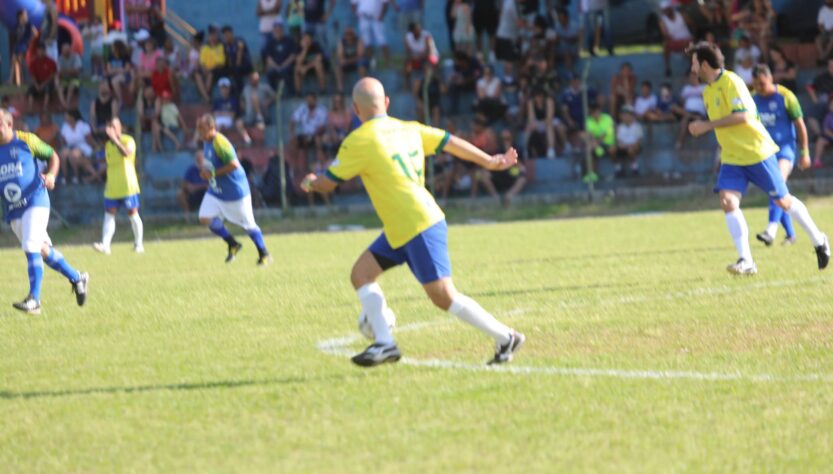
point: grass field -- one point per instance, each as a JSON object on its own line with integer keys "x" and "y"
{"x": 643, "y": 355}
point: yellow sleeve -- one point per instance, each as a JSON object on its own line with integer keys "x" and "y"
{"x": 40, "y": 149}
{"x": 349, "y": 163}
{"x": 433, "y": 139}
{"x": 738, "y": 96}
{"x": 791, "y": 103}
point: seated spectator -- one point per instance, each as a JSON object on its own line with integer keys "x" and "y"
{"x": 622, "y": 88}
{"x": 338, "y": 123}
{"x": 463, "y": 33}
{"x": 191, "y": 191}
{"x": 435, "y": 91}
{"x": 349, "y": 57}
{"x": 238, "y": 58}
{"x": 252, "y": 177}
{"x": 119, "y": 70}
{"x": 572, "y": 108}
{"x": 710, "y": 18}
{"x": 226, "y": 110}
{"x": 600, "y": 137}
{"x": 192, "y": 68}
{"x": 820, "y": 91}
{"x": 21, "y": 36}
{"x": 310, "y": 58}
{"x": 824, "y": 40}
{"x": 489, "y": 102}
{"x": 645, "y": 102}
{"x": 463, "y": 79}
{"x": 540, "y": 125}
{"x": 567, "y": 38}
{"x": 666, "y": 104}
{"x": 48, "y": 131}
{"x": 176, "y": 61}
{"x": 44, "y": 78}
{"x": 537, "y": 43}
{"x": 511, "y": 88}
{"x": 148, "y": 114}
{"x": 746, "y": 49}
{"x": 371, "y": 15}
{"x": 279, "y": 56}
{"x": 510, "y": 182}
{"x": 693, "y": 107}
{"x": 78, "y": 147}
{"x": 102, "y": 110}
{"x": 212, "y": 62}
{"x": 163, "y": 79}
{"x": 675, "y": 33}
{"x": 419, "y": 48}
{"x": 755, "y": 19}
{"x": 744, "y": 66}
{"x": 597, "y": 25}
{"x": 270, "y": 186}
{"x": 170, "y": 119}
{"x": 257, "y": 98}
{"x": 69, "y": 75}
{"x": 628, "y": 143}
{"x": 825, "y": 137}
{"x": 483, "y": 137}
{"x": 784, "y": 71}
{"x": 307, "y": 125}
{"x": 146, "y": 61}
{"x": 544, "y": 77}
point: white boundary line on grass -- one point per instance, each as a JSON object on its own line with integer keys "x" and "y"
{"x": 340, "y": 347}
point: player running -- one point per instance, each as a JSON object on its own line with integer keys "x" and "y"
{"x": 228, "y": 196}
{"x": 25, "y": 203}
{"x": 748, "y": 155}
{"x": 389, "y": 155}
{"x": 781, "y": 115}
{"x": 122, "y": 188}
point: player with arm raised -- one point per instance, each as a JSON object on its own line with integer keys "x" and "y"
{"x": 25, "y": 200}
{"x": 389, "y": 156}
{"x": 748, "y": 155}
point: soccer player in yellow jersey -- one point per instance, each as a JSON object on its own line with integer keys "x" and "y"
{"x": 748, "y": 155}
{"x": 122, "y": 188}
{"x": 389, "y": 156}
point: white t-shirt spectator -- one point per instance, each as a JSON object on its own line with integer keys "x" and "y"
{"x": 309, "y": 122}
{"x": 507, "y": 26}
{"x": 752, "y": 51}
{"x": 642, "y": 104}
{"x": 489, "y": 88}
{"x": 627, "y": 135}
{"x": 745, "y": 73}
{"x": 693, "y": 98}
{"x": 267, "y": 21}
{"x": 418, "y": 45}
{"x": 369, "y": 8}
{"x": 826, "y": 18}
{"x": 676, "y": 27}
{"x": 76, "y": 137}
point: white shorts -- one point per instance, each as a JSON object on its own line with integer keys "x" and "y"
{"x": 30, "y": 229}
{"x": 372, "y": 32}
{"x": 237, "y": 212}
{"x": 224, "y": 122}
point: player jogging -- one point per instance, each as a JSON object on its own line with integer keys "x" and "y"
{"x": 228, "y": 196}
{"x": 122, "y": 188}
{"x": 389, "y": 155}
{"x": 25, "y": 203}
{"x": 748, "y": 155}
{"x": 781, "y": 115}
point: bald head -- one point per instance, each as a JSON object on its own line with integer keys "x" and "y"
{"x": 369, "y": 98}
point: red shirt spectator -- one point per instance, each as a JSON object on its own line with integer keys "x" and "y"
{"x": 163, "y": 79}
{"x": 42, "y": 68}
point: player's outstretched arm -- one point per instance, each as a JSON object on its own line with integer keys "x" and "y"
{"x": 318, "y": 184}
{"x": 699, "y": 127}
{"x": 464, "y": 150}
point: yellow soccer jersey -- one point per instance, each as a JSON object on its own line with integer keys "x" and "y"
{"x": 121, "y": 170}
{"x": 389, "y": 155}
{"x": 743, "y": 144}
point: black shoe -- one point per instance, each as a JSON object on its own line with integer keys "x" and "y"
{"x": 823, "y": 254}
{"x": 80, "y": 288}
{"x": 29, "y": 305}
{"x": 232, "y": 251}
{"x": 504, "y": 352}
{"x": 765, "y": 238}
{"x": 377, "y": 354}
{"x": 264, "y": 260}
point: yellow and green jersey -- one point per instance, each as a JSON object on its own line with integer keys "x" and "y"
{"x": 389, "y": 156}
{"x": 122, "y": 181}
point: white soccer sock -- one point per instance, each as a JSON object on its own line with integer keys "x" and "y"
{"x": 469, "y": 311}
{"x": 799, "y": 212}
{"x": 108, "y": 229}
{"x": 138, "y": 229}
{"x": 373, "y": 305}
{"x": 772, "y": 229}
{"x": 740, "y": 233}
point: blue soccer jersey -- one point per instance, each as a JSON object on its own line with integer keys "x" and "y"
{"x": 233, "y": 186}
{"x": 778, "y": 111}
{"x": 20, "y": 180}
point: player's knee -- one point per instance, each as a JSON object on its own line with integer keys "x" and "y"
{"x": 442, "y": 299}
{"x": 728, "y": 203}
{"x": 205, "y": 220}
{"x": 784, "y": 203}
{"x": 45, "y": 250}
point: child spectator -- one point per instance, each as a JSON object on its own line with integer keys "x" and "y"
{"x": 94, "y": 33}
{"x": 744, "y": 66}
{"x": 163, "y": 79}
{"x": 226, "y": 110}
{"x": 21, "y": 36}
{"x": 600, "y": 137}
{"x": 69, "y": 75}
{"x": 645, "y": 102}
{"x": 44, "y": 72}
{"x": 628, "y": 142}
{"x": 664, "y": 112}
{"x": 511, "y": 181}
{"x": 693, "y": 107}
{"x": 192, "y": 67}
{"x": 147, "y": 111}
{"x": 147, "y": 57}
{"x": 824, "y": 40}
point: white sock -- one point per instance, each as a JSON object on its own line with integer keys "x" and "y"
{"x": 740, "y": 233}
{"x": 373, "y": 304}
{"x": 772, "y": 229}
{"x": 798, "y": 211}
{"x": 108, "y": 229}
{"x": 469, "y": 311}
{"x": 138, "y": 229}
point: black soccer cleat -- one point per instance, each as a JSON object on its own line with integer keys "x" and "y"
{"x": 264, "y": 260}
{"x": 504, "y": 352}
{"x": 765, "y": 238}
{"x": 823, "y": 254}
{"x": 377, "y": 354}
{"x": 233, "y": 249}
{"x": 29, "y": 305}
{"x": 80, "y": 288}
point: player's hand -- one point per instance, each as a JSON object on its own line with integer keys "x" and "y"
{"x": 504, "y": 161}
{"x": 306, "y": 183}
{"x": 804, "y": 162}
{"x": 205, "y": 174}
{"x": 698, "y": 127}
{"x": 48, "y": 181}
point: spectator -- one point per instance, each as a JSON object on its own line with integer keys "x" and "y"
{"x": 44, "y": 78}
{"x": 419, "y": 48}
{"x": 463, "y": 79}
{"x": 226, "y": 110}
{"x": 257, "y": 98}
{"x": 49, "y": 29}
{"x": 193, "y": 61}
{"x": 156, "y": 24}
{"x": 435, "y": 91}
{"x": 628, "y": 142}
{"x": 191, "y": 191}
{"x": 408, "y": 11}
{"x": 119, "y": 70}
{"x": 163, "y": 79}
{"x": 315, "y": 19}
{"x": 622, "y": 88}
{"x": 138, "y": 14}
{"x": 102, "y": 110}
{"x": 511, "y": 181}
{"x": 597, "y": 23}
{"x": 338, "y": 123}
{"x": 783, "y": 70}
{"x": 69, "y": 75}
{"x": 710, "y": 17}
{"x": 463, "y": 33}
{"x": 544, "y": 77}
{"x": 511, "y": 88}
{"x": 48, "y": 131}
{"x": 268, "y": 12}
{"x": 743, "y": 67}
{"x": 675, "y": 33}
{"x": 539, "y": 43}
{"x": 506, "y": 36}
{"x": 693, "y": 107}
{"x": 664, "y": 111}
{"x": 820, "y": 91}
{"x": 78, "y": 150}
{"x": 646, "y": 102}
{"x": 310, "y": 58}
{"x": 94, "y": 33}
{"x": 307, "y": 125}
{"x": 600, "y": 137}
{"x": 350, "y": 57}
{"x": 489, "y": 102}
{"x": 572, "y": 108}
{"x": 146, "y": 63}
{"x": 21, "y": 36}
{"x": 824, "y": 40}
{"x": 212, "y": 61}
{"x": 484, "y": 138}
{"x": 825, "y": 137}
{"x": 279, "y": 56}
{"x": 746, "y": 49}
{"x": 567, "y": 37}
{"x": 295, "y": 18}
{"x": 148, "y": 113}
{"x": 485, "y": 17}
{"x": 170, "y": 119}
{"x": 238, "y": 59}
{"x": 755, "y": 19}
{"x": 371, "y": 14}
{"x": 172, "y": 53}
{"x": 540, "y": 125}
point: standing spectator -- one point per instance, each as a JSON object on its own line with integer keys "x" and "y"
{"x": 485, "y": 18}
{"x": 78, "y": 150}
{"x": 268, "y": 11}
{"x": 435, "y": 91}
{"x": 567, "y": 38}
{"x": 622, "y": 88}
{"x": 628, "y": 143}
{"x": 307, "y": 125}
{"x": 279, "y": 56}
{"x": 511, "y": 181}
{"x": 257, "y": 98}
{"x": 310, "y": 58}
{"x": 371, "y": 14}
{"x": 693, "y": 107}
{"x": 102, "y": 109}
{"x": 94, "y": 33}
{"x": 44, "y": 73}
{"x": 820, "y": 91}
{"x": 646, "y": 102}
{"x": 825, "y": 137}
{"x": 21, "y": 36}
{"x": 49, "y": 29}
{"x": 163, "y": 79}
{"x": 419, "y": 47}
{"x": 48, "y": 131}
{"x": 315, "y": 19}
{"x": 597, "y": 23}
{"x": 407, "y": 12}
{"x": 600, "y": 136}
{"x": 490, "y": 96}
{"x": 349, "y": 57}
{"x": 238, "y": 58}
{"x": 212, "y": 61}
{"x": 295, "y": 18}
{"x": 119, "y": 70}
{"x": 506, "y": 37}
{"x": 675, "y": 33}
{"x": 191, "y": 191}
{"x": 463, "y": 33}
{"x": 824, "y": 40}
{"x": 69, "y": 75}
{"x": 784, "y": 71}
{"x": 463, "y": 79}
{"x": 226, "y": 110}
{"x": 540, "y": 125}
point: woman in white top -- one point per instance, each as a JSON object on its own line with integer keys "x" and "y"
{"x": 267, "y": 11}
{"x": 419, "y": 45}
{"x": 675, "y": 33}
{"x": 490, "y": 95}
{"x": 463, "y": 33}
{"x": 77, "y": 137}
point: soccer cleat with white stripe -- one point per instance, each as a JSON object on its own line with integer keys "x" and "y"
{"x": 742, "y": 267}
{"x": 377, "y": 354}
{"x": 80, "y": 288}
{"x": 504, "y": 352}
{"x": 101, "y": 248}
{"x": 29, "y": 305}
{"x": 823, "y": 254}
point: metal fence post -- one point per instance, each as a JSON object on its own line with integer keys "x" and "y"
{"x": 281, "y": 157}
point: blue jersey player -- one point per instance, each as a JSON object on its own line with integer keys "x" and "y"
{"x": 25, "y": 201}
{"x": 781, "y": 115}
{"x": 228, "y": 196}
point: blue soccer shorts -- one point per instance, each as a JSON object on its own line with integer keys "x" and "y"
{"x": 426, "y": 254}
{"x": 764, "y": 175}
{"x": 787, "y": 152}
{"x": 129, "y": 203}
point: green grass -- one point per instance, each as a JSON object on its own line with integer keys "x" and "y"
{"x": 182, "y": 363}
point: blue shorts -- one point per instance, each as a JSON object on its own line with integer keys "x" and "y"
{"x": 426, "y": 254}
{"x": 129, "y": 203}
{"x": 764, "y": 175}
{"x": 787, "y": 152}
